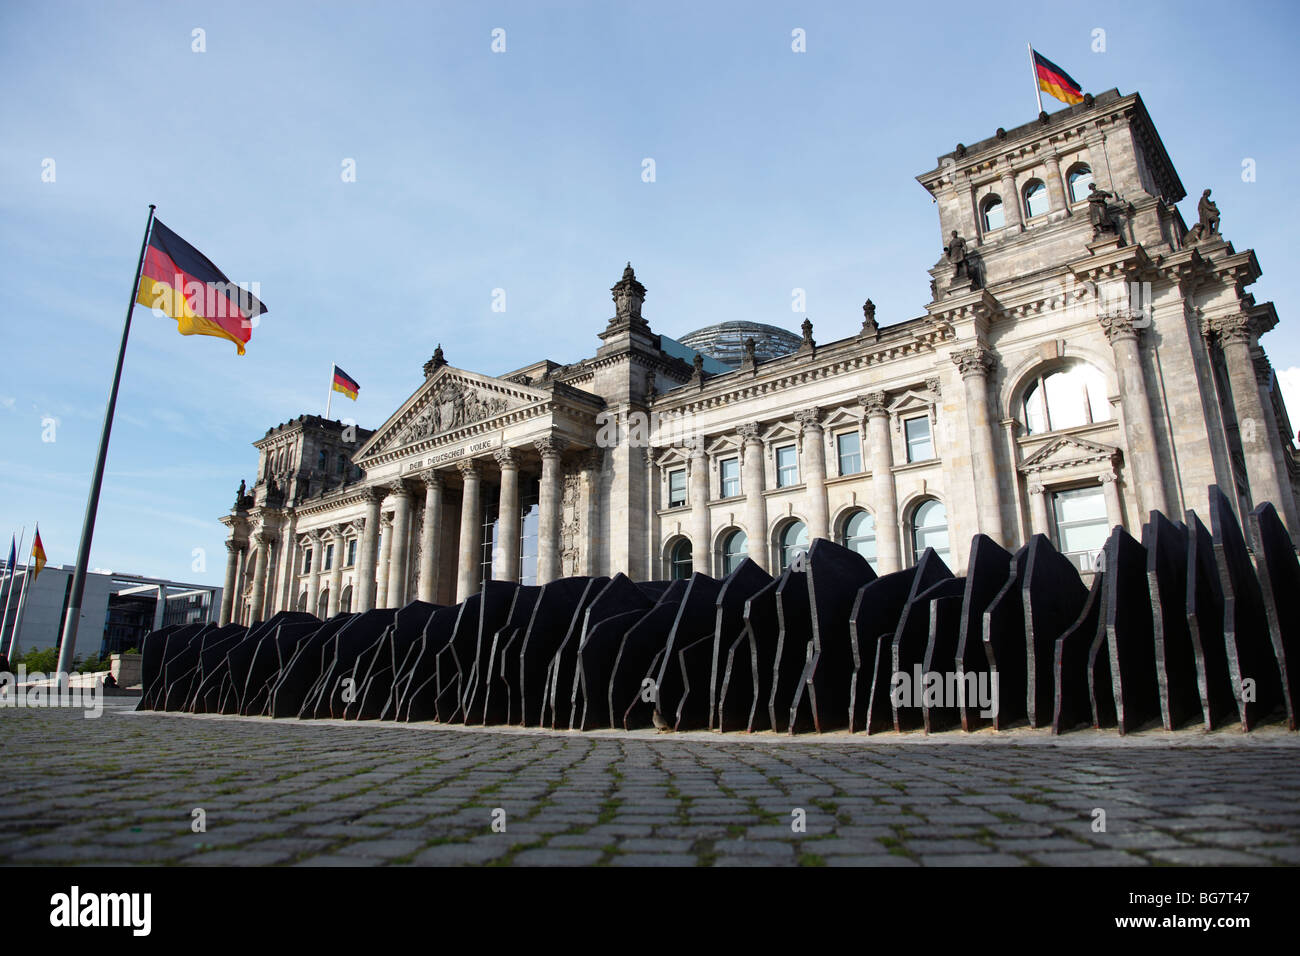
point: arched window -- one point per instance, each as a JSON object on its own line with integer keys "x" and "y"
{"x": 1036, "y": 202}
{"x": 930, "y": 529}
{"x": 1079, "y": 178}
{"x": 322, "y": 460}
{"x": 341, "y": 465}
{"x": 992, "y": 213}
{"x": 859, "y": 534}
{"x": 679, "y": 560}
{"x": 735, "y": 548}
{"x": 791, "y": 542}
{"x": 1071, "y": 395}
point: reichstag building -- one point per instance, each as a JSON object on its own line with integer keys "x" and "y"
{"x": 1085, "y": 357}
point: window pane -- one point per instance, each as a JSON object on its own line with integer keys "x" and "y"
{"x": 919, "y": 446}
{"x": 1035, "y": 412}
{"x": 677, "y": 488}
{"x": 930, "y": 530}
{"x": 794, "y": 540}
{"x": 1080, "y": 179}
{"x": 849, "y": 446}
{"x": 1036, "y": 199}
{"x": 787, "y": 466}
{"x": 860, "y": 536}
{"x": 729, "y": 468}
{"x": 735, "y": 547}
{"x": 994, "y": 218}
{"x": 681, "y": 561}
{"x": 352, "y": 552}
{"x": 1081, "y": 523}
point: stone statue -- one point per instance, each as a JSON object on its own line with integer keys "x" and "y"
{"x": 698, "y": 362}
{"x": 806, "y": 326}
{"x": 869, "y": 324}
{"x": 956, "y": 253}
{"x": 243, "y": 489}
{"x": 1208, "y": 211}
{"x": 1099, "y": 212}
{"x": 750, "y": 345}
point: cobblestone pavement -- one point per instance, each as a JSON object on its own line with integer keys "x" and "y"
{"x": 123, "y": 789}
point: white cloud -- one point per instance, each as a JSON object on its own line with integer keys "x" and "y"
{"x": 1288, "y": 379}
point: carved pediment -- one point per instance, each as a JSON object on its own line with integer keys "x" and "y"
{"x": 451, "y": 399}
{"x": 1068, "y": 452}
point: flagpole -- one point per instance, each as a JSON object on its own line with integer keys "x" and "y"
{"x": 329, "y": 396}
{"x": 18, "y": 618}
{"x": 1033, "y": 68}
{"x": 22, "y": 535}
{"x": 69, "y": 641}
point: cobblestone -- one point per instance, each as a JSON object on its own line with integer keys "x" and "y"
{"x": 122, "y": 789}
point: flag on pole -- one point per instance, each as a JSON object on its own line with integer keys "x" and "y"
{"x": 183, "y": 283}
{"x": 38, "y": 554}
{"x": 345, "y": 383}
{"x": 1055, "y": 81}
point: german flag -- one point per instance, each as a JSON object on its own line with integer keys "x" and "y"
{"x": 345, "y": 383}
{"x": 38, "y": 555}
{"x": 1055, "y": 81}
{"x": 183, "y": 283}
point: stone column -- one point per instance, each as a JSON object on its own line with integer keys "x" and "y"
{"x": 313, "y": 576}
{"x": 814, "y": 473}
{"x": 262, "y": 546}
{"x": 701, "y": 532}
{"x": 1039, "y": 522}
{"x": 430, "y": 536}
{"x": 751, "y": 478}
{"x": 1114, "y": 509}
{"x": 1139, "y": 424}
{"x": 1056, "y": 187}
{"x": 550, "y": 498}
{"x": 285, "y": 568}
{"x": 471, "y": 528}
{"x": 364, "y": 588}
{"x": 336, "y": 569}
{"x": 975, "y": 363}
{"x": 233, "y": 548}
{"x": 1255, "y": 421}
{"x": 884, "y": 488}
{"x": 1014, "y": 215}
{"x": 384, "y": 569}
{"x": 397, "y": 566}
{"x": 505, "y": 562}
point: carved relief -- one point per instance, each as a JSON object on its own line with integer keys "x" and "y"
{"x": 571, "y": 525}
{"x": 453, "y": 405}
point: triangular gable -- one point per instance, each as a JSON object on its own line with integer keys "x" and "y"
{"x": 844, "y": 416}
{"x": 1068, "y": 451}
{"x": 449, "y": 400}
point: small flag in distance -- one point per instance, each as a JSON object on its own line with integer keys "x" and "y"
{"x": 38, "y": 555}
{"x": 345, "y": 383}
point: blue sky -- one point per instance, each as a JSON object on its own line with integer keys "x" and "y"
{"x": 519, "y": 171}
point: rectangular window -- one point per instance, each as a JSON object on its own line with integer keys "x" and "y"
{"x": 919, "y": 445}
{"x": 848, "y": 445}
{"x": 1081, "y": 524}
{"x": 329, "y": 558}
{"x": 352, "y": 552}
{"x": 787, "y": 466}
{"x": 306, "y": 561}
{"x": 677, "y": 488}
{"x": 729, "y": 471}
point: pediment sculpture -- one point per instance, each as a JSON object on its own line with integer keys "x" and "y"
{"x": 453, "y": 405}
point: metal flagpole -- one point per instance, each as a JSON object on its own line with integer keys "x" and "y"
{"x": 69, "y": 641}
{"x": 1033, "y": 68}
{"x": 329, "y": 396}
{"x": 22, "y": 604}
{"x": 3, "y": 620}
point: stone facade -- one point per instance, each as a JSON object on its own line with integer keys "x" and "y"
{"x": 1084, "y": 359}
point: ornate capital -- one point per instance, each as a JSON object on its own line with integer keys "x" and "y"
{"x": 469, "y": 468}
{"x": 874, "y": 403}
{"x": 340, "y": 530}
{"x": 749, "y": 432}
{"x": 506, "y": 458}
{"x": 1119, "y": 324}
{"x": 433, "y": 478}
{"x": 934, "y": 384}
{"x": 399, "y": 489}
{"x": 233, "y": 546}
{"x": 550, "y": 446}
{"x": 1263, "y": 370}
{"x": 809, "y": 418}
{"x": 312, "y": 536}
{"x": 375, "y": 494}
{"x": 1108, "y": 477}
{"x": 386, "y": 520}
{"x": 975, "y": 360}
{"x": 1230, "y": 329}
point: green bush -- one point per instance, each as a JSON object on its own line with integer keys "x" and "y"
{"x": 45, "y": 660}
{"x": 93, "y": 665}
